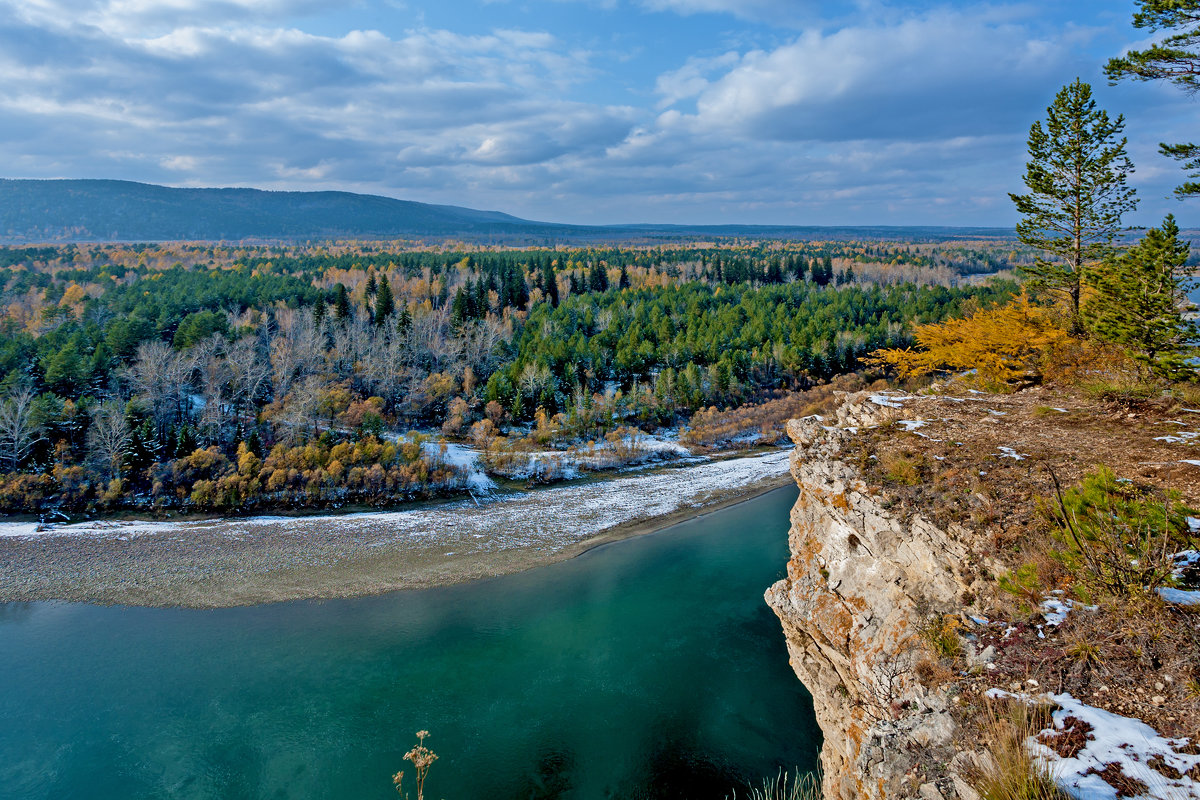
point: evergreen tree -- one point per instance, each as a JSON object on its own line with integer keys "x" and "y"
{"x": 459, "y": 312}
{"x": 623, "y": 283}
{"x": 799, "y": 267}
{"x": 1139, "y": 297}
{"x": 1076, "y": 178}
{"x": 550, "y": 282}
{"x": 403, "y": 318}
{"x": 318, "y": 310}
{"x": 1175, "y": 59}
{"x": 371, "y": 286}
{"x": 598, "y": 278}
{"x": 385, "y": 302}
{"x": 341, "y": 303}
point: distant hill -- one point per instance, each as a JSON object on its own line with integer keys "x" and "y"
{"x": 102, "y": 210}
{"x": 125, "y": 211}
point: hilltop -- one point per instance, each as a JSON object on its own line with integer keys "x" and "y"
{"x": 125, "y": 211}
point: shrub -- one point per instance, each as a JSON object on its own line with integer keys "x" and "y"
{"x": 1117, "y": 538}
{"x": 1005, "y": 345}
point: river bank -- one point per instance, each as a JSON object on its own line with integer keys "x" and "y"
{"x": 232, "y": 562}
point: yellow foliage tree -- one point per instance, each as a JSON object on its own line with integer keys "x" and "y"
{"x": 1004, "y": 344}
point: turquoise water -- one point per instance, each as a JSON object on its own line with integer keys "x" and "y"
{"x": 649, "y": 668}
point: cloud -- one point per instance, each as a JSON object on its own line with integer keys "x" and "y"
{"x": 912, "y": 117}
{"x": 146, "y": 17}
{"x": 240, "y": 103}
{"x": 943, "y": 74}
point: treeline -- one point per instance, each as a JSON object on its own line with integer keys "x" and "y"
{"x": 234, "y": 388}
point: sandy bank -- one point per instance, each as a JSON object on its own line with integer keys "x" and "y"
{"x": 230, "y": 562}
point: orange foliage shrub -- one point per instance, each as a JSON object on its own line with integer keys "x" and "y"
{"x": 1006, "y": 345}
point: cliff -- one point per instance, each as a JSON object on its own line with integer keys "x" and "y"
{"x": 900, "y": 531}
{"x": 861, "y": 584}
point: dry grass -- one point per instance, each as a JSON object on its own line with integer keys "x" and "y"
{"x": 784, "y": 786}
{"x": 1010, "y": 772}
{"x": 1135, "y": 648}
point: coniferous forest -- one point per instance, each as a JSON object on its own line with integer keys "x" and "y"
{"x": 193, "y": 377}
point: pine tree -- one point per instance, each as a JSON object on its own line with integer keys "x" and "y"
{"x": 1076, "y": 176}
{"x": 385, "y": 303}
{"x": 799, "y": 267}
{"x": 623, "y": 282}
{"x": 341, "y": 303}
{"x": 1176, "y": 59}
{"x": 598, "y": 278}
{"x": 550, "y": 282}
{"x": 1138, "y": 302}
{"x": 458, "y": 309}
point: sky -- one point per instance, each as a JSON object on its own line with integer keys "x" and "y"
{"x": 798, "y": 112}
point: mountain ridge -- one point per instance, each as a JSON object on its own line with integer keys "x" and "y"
{"x": 106, "y": 210}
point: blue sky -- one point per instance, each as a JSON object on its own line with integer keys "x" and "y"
{"x": 588, "y": 111}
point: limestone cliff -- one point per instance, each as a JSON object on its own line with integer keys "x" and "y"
{"x": 860, "y": 584}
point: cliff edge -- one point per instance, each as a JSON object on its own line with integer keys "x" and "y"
{"x": 910, "y": 508}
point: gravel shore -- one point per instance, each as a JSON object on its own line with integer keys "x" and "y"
{"x": 232, "y": 562}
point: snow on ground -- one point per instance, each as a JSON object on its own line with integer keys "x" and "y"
{"x": 1182, "y": 597}
{"x": 1136, "y": 748}
{"x": 1008, "y": 452}
{"x": 1055, "y": 609}
{"x": 18, "y": 529}
{"x": 1187, "y": 564}
{"x": 889, "y": 399}
{"x": 464, "y": 458}
{"x": 911, "y": 425}
{"x": 1177, "y": 438}
{"x": 570, "y": 464}
{"x": 547, "y": 519}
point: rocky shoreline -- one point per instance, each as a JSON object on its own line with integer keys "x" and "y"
{"x": 232, "y": 562}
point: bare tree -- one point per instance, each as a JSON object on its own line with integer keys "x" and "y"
{"x": 297, "y": 350}
{"x": 19, "y": 432}
{"x": 479, "y": 343}
{"x": 432, "y": 341}
{"x": 160, "y": 376}
{"x": 249, "y": 372}
{"x": 534, "y": 379}
{"x": 212, "y": 375}
{"x": 301, "y": 409}
{"x": 108, "y": 437}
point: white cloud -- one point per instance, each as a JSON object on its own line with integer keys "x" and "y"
{"x": 945, "y": 73}
{"x": 908, "y": 119}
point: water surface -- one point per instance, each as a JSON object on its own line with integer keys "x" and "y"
{"x": 649, "y": 668}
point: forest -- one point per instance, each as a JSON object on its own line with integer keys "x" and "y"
{"x": 194, "y": 377}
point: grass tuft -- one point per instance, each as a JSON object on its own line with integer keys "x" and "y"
{"x": 784, "y": 786}
{"x": 1010, "y": 772}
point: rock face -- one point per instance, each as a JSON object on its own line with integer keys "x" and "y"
{"x": 861, "y": 585}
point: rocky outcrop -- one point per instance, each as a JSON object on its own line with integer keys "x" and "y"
{"x": 862, "y": 584}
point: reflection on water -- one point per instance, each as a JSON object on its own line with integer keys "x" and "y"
{"x": 650, "y": 668}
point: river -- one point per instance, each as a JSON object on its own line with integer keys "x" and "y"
{"x": 646, "y": 668}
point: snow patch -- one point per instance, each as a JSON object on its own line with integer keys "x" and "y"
{"x": 911, "y": 425}
{"x": 1056, "y": 609}
{"x": 1127, "y": 742}
{"x": 889, "y": 399}
{"x": 1176, "y": 438}
{"x": 1180, "y": 597}
{"x": 1008, "y": 452}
